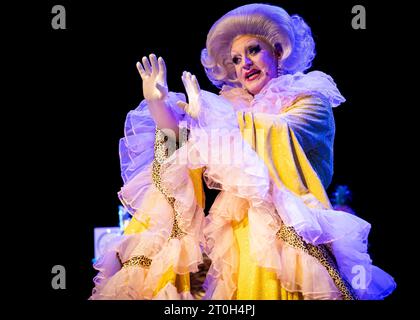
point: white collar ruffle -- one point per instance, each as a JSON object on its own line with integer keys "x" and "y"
{"x": 280, "y": 92}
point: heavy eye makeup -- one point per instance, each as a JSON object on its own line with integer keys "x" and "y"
{"x": 252, "y": 50}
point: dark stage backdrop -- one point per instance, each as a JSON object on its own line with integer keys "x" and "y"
{"x": 83, "y": 81}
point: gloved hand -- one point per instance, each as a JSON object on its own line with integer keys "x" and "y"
{"x": 192, "y": 88}
{"x": 153, "y": 74}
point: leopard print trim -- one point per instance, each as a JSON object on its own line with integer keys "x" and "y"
{"x": 161, "y": 153}
{"x": 323, "y": 253}
{"x": 138, "y": 261}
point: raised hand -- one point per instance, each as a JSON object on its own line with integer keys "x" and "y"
{"x": 192, "y": 88}
{"x": 153, "y": 74}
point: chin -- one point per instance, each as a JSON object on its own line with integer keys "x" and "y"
{"x": 256, "y": 88}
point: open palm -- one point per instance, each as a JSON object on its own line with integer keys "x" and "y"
{"x": 153, "y": 74}
{"x": 192, "y": 88}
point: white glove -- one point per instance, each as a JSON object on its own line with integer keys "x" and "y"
{"x": 192, "y": 88}
{"x": 153, "y": 75}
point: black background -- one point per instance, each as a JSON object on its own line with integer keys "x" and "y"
{"x": 80, "y": 83}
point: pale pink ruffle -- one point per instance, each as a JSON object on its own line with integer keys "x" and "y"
{"x": 280, "y": 92}
{"x": 297, "y": 272}
{"x": 112, "y": 282}
{"x": 183, "y": 254}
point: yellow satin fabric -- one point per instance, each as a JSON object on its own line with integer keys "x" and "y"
{"x": 275, "y": 142}
{"x": 136, "y": 226}
{"x": 196, "y": 178}
{"x": 181, "y": 282}
{"x": 254, "y": 282}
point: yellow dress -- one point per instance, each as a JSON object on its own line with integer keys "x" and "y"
{"x": 291, "y": 154}
{"x": 279, "y": 147}
{"x": 274, "y": 140}
{"x": 254, "y": 282}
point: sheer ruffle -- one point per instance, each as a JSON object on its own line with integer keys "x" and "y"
{"x": 279, "y": 93}
{"x": 296, "y": 271}
{"x": 130, "y": 284}
{"x": 181, "y": 255}
{"x": 136, "y": 148}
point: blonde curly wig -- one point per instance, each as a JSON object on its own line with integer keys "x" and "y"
{"x": 290, "y": 34}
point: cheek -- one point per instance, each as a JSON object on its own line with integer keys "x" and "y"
{"x": 270, "y": 65}
{"x": 238, "y": 73}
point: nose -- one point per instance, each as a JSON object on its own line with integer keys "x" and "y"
{"x": 247, "y": 63}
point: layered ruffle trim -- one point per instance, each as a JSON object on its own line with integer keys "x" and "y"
{"x": 152, "y": 252}
{"x": 140, "y": 277}
{"x": 136, "y": 147}
{"x": 279, "y": 93}
{"x": 297, "y": 268}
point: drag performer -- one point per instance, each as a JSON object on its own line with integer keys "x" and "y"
{"x": 266, "y": 142}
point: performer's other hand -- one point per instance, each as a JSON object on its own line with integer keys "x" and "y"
{"x": 192, "y": 88}
{"x": 153, "y": 74}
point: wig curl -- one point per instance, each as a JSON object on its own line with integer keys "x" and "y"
{"x": 290, "y": 34}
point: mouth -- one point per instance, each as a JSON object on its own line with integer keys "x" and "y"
{"x": 252, "y": 74}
